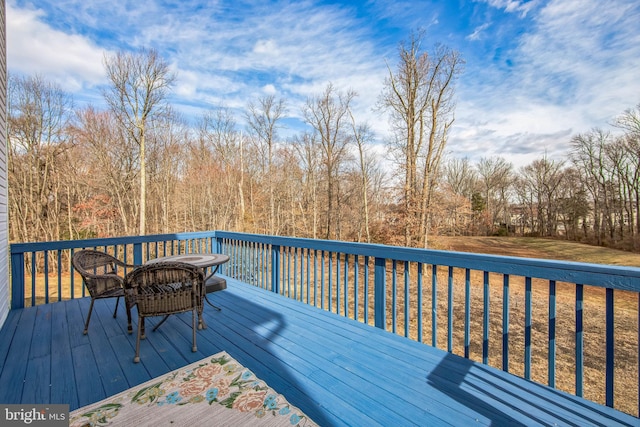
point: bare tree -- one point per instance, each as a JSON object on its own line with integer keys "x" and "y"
{"x": 461, "y": 176}
{"x": 589, "y": 156}
{"x": 263, "y": 121}
{"x": 217, "y": 196}
{"x": 328, "y": 114}
{"x": 629, "y": 121}
{"x": 139, "y": 87}
{"x": 308, "y": 150}
{"x": 543, "y": 179}
{"x": 621, "y": 193}
{"x": 39, "y": 114}
{"x": 461, "y": 179}
{"x": 496, "y": 178}
{"x": 166, "y": 165}
{"x": 419, "y": 96}
{"x": 109, "y": 203}
{"x": 363, "y": 136}
{"x": 572, "y": 203}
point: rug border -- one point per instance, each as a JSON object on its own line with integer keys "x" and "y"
{"x": 305, "y": 420}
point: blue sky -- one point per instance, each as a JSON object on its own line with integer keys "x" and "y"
{"x": 537, "y": 72}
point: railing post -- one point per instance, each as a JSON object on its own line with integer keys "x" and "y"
{"x": 17, "y": 280}
{"x": 218, "y": 247}
{"x": 579, "y": 334}
{"x": 275, "y": 268}
{"x": 610, "y": 345}
{"x": 137, "y": 253}
{"x": 380, "y": 293}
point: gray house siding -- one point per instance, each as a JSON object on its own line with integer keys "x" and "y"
{"x": 4, "y": 193}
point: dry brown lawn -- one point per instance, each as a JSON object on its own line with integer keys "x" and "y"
{"x": 626, "y": 317}
{"x": 531, "y": 247}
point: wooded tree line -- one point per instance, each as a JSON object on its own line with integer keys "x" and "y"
{"x": 592, "y": 196}
{"x": 138, "y": 167}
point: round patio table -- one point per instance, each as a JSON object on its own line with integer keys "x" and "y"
{"x": 203, "y": 261}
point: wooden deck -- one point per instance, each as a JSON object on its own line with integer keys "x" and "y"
{"x": 338, "y": 371}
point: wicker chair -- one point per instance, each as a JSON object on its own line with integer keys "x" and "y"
{"x": 99, "y": 273}
{"x": 163, "y": 289}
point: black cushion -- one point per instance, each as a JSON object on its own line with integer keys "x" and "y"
{"x": 214, "y": 284}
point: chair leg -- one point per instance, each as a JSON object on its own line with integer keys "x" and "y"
{"x": 136, "y": 359}
{"x": 129, "y": 327}
{"x": 201, "y": 323}
{"x": 193, "y": 328}
{"x": 141, "y": 324}
{"x": 166, "y": 316}
{"x": 115, "y": 312}
{"x": 211, "y": 304}
{"x": 86, "y": 324}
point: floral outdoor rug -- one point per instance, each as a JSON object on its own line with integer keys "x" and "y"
{"x": 216, "y": 391}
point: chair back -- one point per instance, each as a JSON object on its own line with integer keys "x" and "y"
{"x": 165, "y": 288}
{"x": 99, "y": 271}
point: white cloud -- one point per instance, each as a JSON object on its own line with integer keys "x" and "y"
{"x": 587, "y": 53}
{"x": 513, "y": 6}
{"x": 269, "y": 89}
{"x": 562, "y": 67}
{"x": 33, "y": 47}
{"x": 266, "y": 47}
{"x": 477, "y": 32}
{"x": 573, "y": 69}
{"x": 292, "y": 51}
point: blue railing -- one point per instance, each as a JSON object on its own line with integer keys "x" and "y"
{"x": 539, "y": 319}
{"x": 34, "y": 266}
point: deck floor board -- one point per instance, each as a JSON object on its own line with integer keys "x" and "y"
{"x": 338, "y": 371}
{"x": 322, "y": 355}
{"x": 62, "y": 376}
{"x": 14, "y": 372}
